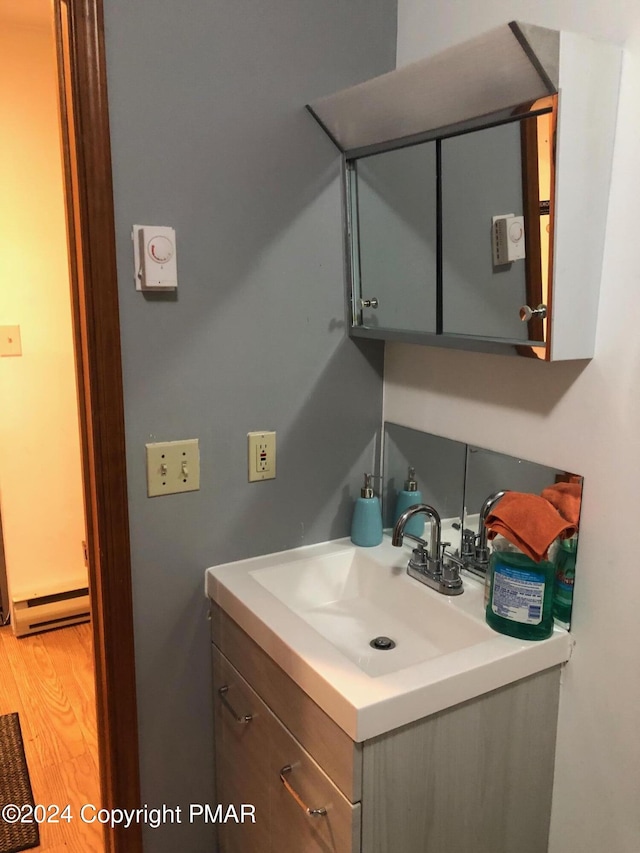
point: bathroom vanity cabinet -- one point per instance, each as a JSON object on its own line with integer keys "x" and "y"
{"x": 477, "y": 776}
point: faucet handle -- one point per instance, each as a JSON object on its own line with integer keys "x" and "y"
{"x": 468, "y": 542}
{"x": 419, "y": 558}
{"x": 451, "y": 573}
{"x": 450, "y": 566}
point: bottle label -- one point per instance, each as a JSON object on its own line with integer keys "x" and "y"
{"x": 518, "y": 595}
{"x": 565, "y": 580}
{"x": 563, "y": 588}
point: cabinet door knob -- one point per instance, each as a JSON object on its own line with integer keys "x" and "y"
{"x": 369, "y": 303}
{"x": 321, "y": 812}
{"x": 239, "y": 718}
{"x": 527, "y": 313}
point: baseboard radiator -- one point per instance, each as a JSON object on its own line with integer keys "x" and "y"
{"x": 44, "y": 612}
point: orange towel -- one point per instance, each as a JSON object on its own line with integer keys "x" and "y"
{"x": 529, "y": 522}
{"x": 566, "y": 498}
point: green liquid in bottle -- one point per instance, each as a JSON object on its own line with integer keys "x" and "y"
{"x": 564, "y": 580}
{"x": 520, "y": 596}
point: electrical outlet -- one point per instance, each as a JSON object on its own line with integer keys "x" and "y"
{"x": 173, "y": 466}
{"x": 262, "y": 456}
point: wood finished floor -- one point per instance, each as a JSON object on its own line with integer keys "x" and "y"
{"x": 48, "y": 679}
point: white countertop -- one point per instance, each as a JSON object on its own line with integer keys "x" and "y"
{"x": 366, "y": 705}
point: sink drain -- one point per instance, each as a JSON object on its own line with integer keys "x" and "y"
{"x": 382, "y": 643}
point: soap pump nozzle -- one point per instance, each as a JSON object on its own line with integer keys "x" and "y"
{"x": 411, "y": 484}
{"x": 367, "y": 490}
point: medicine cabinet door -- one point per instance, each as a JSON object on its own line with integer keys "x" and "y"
{"x": 393, "y": 199}
{"x": 491, "y": 180}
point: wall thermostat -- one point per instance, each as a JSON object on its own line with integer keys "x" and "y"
{"x": 507, "y": 238}
{"x": 154, "y": 257}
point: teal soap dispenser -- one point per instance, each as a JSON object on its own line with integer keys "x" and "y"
{"x": 366, "y": 527}
{"x": 407, "y": 497}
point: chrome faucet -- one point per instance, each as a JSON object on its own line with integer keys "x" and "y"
{"x": 475, "y": 550}
{"x": 435, "y": 568}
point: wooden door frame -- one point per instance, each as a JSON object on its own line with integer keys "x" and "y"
{"x": 4, "y": 589}
{"x": 94, "y": 289}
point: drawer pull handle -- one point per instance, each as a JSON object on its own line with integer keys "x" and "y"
{"x": 239, "y": 718}
{"x": 296, "y": 796}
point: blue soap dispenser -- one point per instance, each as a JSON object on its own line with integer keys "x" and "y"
{"x": 407, "y": 497}
{"x": 366, "y": 527}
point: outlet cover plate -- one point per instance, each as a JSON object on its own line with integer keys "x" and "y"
{"x": 172, "y": 467}
{"x": 261, "y": 456}
{"x": 10, "y": 343}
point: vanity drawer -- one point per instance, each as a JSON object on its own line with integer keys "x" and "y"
{"x": 259, "y": 762}
{"x": 241, "y": 761}
{"x": 292, "y": 829}
{"x": 329, "y": 745}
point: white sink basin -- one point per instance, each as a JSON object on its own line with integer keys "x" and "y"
{"x": 350, "y": 600}
{"x": 315, "y": 609}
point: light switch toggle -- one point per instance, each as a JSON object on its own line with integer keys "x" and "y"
{"x": 173, "y": 466}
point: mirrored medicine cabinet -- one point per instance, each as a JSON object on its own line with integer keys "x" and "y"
{"x": 456, "y": 478}
{"x": 475, "y": 186}
{"x": 433, "y": 228}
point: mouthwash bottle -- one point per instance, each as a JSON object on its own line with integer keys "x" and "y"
{"x": 520, "y": 595}
{"x": 564, "y": 580}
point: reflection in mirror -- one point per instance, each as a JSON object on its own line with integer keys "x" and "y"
{"x": 481, "y": 179}
{"x": 457, "y": 480}
{"x": 396, "y": 237}
{"x": 496, "y": 187}
{"x": 439, "y": 465}
{"x": 488, "y": 472}
{"x": 471, "y": 259}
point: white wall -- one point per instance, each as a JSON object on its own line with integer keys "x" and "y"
{"x": 40, "y": 466}
{"x": 583, "y": 417}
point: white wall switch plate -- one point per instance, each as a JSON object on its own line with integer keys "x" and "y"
{"x": 173, "y": 466}
{"x": 262, "y": 456}
{"x": 10, "y": 343}
{"x": 154, "y": 257}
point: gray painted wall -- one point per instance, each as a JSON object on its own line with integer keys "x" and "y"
{"x": 210, "y": 136}
{"x": 439, "y": 465}
{"x": 489, "y": 472}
